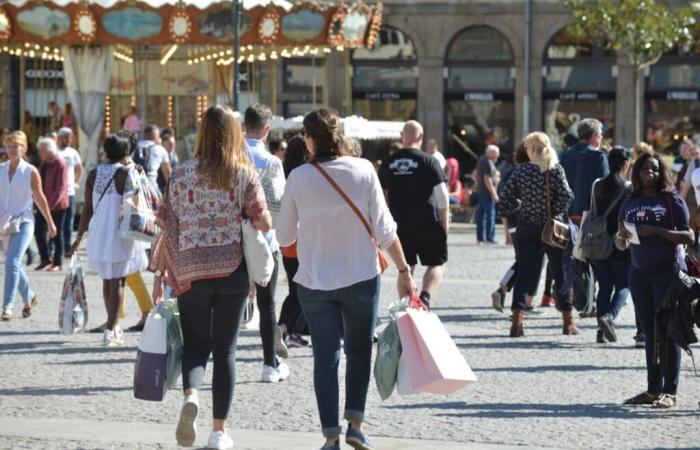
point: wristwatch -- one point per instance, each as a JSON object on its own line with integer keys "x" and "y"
{"x": 405, "y": 269}
{"x": 158, "y": 273}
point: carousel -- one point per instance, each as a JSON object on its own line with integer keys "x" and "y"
{"x": 164, "y": 62}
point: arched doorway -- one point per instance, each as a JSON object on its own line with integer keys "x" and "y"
{"x": 579, "y": 82}
{"x": 479, "y": 94}
{"x": 384, "y": 78}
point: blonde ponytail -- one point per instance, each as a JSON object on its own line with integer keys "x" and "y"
{"x": 544, "y": 156}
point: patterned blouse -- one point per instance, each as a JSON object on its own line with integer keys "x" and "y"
{"x": 201, "y": 227}
{"x": 525, "y": 193}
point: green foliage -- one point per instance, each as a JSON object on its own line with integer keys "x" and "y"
{"x": 643, "y": 29}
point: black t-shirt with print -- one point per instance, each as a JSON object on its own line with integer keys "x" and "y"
{"x": 409, "y": 176}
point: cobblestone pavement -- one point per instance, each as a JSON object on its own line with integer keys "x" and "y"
{"x": 544, "y": 390}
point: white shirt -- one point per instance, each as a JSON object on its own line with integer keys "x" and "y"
{"x": 441, "y": 159}
{"x": 156, "y": 156}
{"x": 333, "y": 247}
{"x": 72, "y": 159}
{"x": 16, "y": 195}
{"x": 695, "y": 181}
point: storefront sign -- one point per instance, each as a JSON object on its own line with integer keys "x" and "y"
{"x": 382, "y": 95}
{"x": 583, "y": 96}
{"x": 34, "y": 74}
{"x": 682, "y": 95}
{"x": 479, "y": 96}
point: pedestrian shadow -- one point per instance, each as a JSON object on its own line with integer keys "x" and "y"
{"x": 559, "y": 368}
{"x": 66, "y": 350}
{"x": 512, "y": 344}
{"x": 544, "y": 410}
{"x": 27, "y": 345}
{"x": 28, "y": 333}
{"x": 90, "y": 362}
{"x": 40, "y": 392}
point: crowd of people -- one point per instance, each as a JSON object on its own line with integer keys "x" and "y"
{"x": 329, "y": 215}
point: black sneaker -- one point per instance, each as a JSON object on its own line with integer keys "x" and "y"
{"x": 639, "y": 340}
{"x": 295, "y": 340}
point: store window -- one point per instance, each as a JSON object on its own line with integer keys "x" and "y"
{"x": 384, "y": 78}
{"x": 672, "y": 98}
{"x": 579, "y": 82}
{"x": 304, "y": 81}
{"x": 479, "y": 96}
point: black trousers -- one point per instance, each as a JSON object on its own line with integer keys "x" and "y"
{"x": 291, "y": 314}
{"x": 41, "y": 234}
{"x": 210, "y": 317}
{"x": 268, "y": 321}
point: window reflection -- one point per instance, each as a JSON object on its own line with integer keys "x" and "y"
{"x": 368, "y": 77}
{"x": 580, "y": 77}
{"x": 392, "y": 110}
{"x": 674, "y": 76}
{"x": 480, "y": 44}
{"x": 488, "y": 78}
{"x": 561, "y": 117}
{"x": 670, "y": 121}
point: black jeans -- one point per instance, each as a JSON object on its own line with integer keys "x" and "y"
{"x": 529, "y": 251}
{"x": 210, "y": 317}
{"x": 291, "y": 314}
{"x": 268, "y": 321}
{"x": 41, "y": 229}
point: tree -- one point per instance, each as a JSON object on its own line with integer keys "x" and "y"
{"x": 642, "y": 30}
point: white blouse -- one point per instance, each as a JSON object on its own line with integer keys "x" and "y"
{"x": 16, "y": 196}
{"x": 333, "y": 247}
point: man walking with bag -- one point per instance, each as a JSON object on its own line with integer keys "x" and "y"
{"x": 418, "y": 199}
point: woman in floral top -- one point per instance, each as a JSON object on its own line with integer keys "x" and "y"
{"x": 526, "y": 191}
{"x": 200, "y": 251}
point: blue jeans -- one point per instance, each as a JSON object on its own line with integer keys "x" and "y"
{"x": 354, "y": 310}
{"x": 15, "y": 277}
{"x": 68, "y": 223}
{"x": 648, "y": 288}
{"x": 613, "y": 280}
{"x": 485, "y": 218}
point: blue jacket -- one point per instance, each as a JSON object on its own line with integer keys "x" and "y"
{"x": 583, "y": 165}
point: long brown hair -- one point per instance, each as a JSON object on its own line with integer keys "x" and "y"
{"x": 220, "y": 148}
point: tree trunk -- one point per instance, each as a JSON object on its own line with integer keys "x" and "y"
{"x": 638, "y": 104}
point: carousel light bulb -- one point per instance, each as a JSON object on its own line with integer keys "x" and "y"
{"x": 273, "y": 55}
{"x": 340, "y": 48}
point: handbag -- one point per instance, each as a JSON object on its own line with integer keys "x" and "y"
{"x": 555, "y": 233}
{"x": 139, "y": 209}
{"x": 10, "y": 224}
{"x": 256, "y": 251}
{"x": 72, "y": 307}
{"x": 383, "y": 262}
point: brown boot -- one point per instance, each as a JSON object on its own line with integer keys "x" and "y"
{"x": 569, "y": 325}
{"x": 516, "y": 328}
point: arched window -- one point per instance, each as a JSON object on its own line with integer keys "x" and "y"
{"x": 673, "y": 97}
{"x": 479, "y": 95}
{"x": 384, "y": 78}
{"x": 579, "y": 82}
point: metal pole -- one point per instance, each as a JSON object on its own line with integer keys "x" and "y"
{"x": 527, "y": 64}
{"x": 236, "y": 51}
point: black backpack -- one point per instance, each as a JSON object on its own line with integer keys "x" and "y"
{"x": 595, "y": 243}
{"x": 142, "y": 155}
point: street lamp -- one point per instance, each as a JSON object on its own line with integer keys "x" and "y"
{"x": 237, "y": 5}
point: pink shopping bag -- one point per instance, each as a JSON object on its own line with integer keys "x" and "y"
{"x": 432, "y": 360}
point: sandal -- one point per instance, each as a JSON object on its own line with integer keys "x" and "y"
{"x": 6, "y": 315}
{"x": 27, "y": 311}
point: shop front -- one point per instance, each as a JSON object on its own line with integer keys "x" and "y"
{"x": 672, "y": 99}
{"x": 384, "y": 78}
{"x": 579, "y": 82}
{"x": 479, "y": 94}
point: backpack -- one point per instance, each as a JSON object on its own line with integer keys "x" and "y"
{"x": 595, "y": 242}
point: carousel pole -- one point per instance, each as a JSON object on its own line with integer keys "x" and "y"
{"x": 237, "y": 5}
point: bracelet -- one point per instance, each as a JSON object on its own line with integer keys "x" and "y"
{"x": 405, "y": 269}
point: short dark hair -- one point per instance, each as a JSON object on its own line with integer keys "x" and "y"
{"x": 256, "y": 117}
{"x": 150, "y": 131}
{"x": 275, "y": 145}
{"x": 663, "y": 186}
{"x": 130, "y": 136}
{"x": 617, "y": 157}
{"x": 520, "y": 154}
{"x": 116, "y": 147}
{"x": 167, "y": 133}
{"x": 297, "y": 154}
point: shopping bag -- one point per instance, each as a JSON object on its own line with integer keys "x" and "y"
{"x": 139, "y": 208}
{"x": 158, "y": 360}
{"x": 72, "y": 308}
{"x": 403, "y": 378}
{"x": 435, "y": 364}
{"x": 386, "y": 363}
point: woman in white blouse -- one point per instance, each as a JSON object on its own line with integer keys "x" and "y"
{"x": 339, "y": 274}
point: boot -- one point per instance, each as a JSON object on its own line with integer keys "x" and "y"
{"x": 569, "y": 325}
{"x": 516, "y": 328}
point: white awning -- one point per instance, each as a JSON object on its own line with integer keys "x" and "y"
{"x": 156, "y": 3}
{"x": 353, "y": 127}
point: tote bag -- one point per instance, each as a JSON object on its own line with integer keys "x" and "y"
{"x": 256, "y": 251}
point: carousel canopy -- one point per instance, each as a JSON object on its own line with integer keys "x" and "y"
{"x": 195, "y": 22}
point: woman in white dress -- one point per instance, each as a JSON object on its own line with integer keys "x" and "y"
{"x": 20, "y": 184}
{"x": 110, "y": 256}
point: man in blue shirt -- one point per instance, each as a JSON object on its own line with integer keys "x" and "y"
{"x": 584, "y": 163}
{"x": 256, "y": 122}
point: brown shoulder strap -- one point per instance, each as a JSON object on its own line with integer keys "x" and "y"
{"x": 346, "y": 198}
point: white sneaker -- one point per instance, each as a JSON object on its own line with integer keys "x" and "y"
{"x": 219, "y": 440}
{"x": 186, "y": 431}
{"x": 254, "y": 323}
{"x": 275, "y": 374}
{"x": 110, "y": 339}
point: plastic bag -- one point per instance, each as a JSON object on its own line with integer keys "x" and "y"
{"x": 168, "y": 310}
{"x": 72, "y": 308}
{"x": 387, "y": 362}
{"x": 139, "y": 209}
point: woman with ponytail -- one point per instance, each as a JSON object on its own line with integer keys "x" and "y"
{"x": 527, "y": 191}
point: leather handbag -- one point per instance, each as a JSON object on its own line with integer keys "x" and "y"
{"x": 383, "y": 262}
{"x": 256, "y": 251}
{"x": 555, "y": 233}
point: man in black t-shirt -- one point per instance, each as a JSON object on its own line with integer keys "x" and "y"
{"x": 418, "y": 199}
